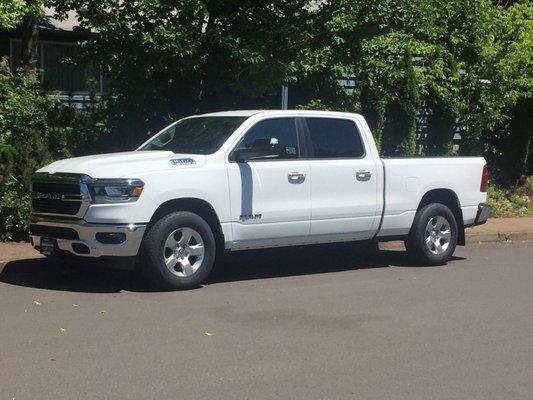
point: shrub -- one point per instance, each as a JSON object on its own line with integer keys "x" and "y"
{"x": 14, "y": 210}
{"x": 33, "y": 131}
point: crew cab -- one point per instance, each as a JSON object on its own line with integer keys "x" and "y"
{"x": 237, "y": 180}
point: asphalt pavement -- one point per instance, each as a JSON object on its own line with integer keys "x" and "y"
{"x": 321, "y": 322}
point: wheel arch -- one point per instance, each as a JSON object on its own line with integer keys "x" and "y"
{"x": 194, "y": 205}
{"x": 448, "y": 198}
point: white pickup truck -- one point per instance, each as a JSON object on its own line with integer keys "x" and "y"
{"x": 251, "y": 179}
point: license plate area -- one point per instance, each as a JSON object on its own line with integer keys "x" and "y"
{"x": 48, "y": 246}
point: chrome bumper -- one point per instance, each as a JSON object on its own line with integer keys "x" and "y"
{"x": 82, "y": 232}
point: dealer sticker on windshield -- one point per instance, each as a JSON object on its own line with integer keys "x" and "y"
{"x": 182, "y": 161}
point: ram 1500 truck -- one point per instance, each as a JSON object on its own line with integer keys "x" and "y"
{"x": 252, "y": 179}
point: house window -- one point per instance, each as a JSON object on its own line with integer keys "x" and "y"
{"x": 56, "y": 72}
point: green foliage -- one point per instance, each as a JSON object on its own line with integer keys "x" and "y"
{"x": 165, "y": 59}
{"x": 464, "y": 64}
{"x": 32, "y": 127}
{"x": 32, "y": 133}
{"x": 512, "y": 202}
{"x": 472, "y": 63}
{"x": 11, "y": 12}
{"x": 14, "y": 210}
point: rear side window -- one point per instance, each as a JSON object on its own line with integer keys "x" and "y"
{"x": 334, "y": 138}
{"x": 281, "y": 129}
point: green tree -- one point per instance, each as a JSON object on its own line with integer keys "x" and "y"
{"x": 471, "y": 63}
{"x": 11, "y": 13}
{"x": 507, "y": 96}
{"x": 26, "y": 14}
{"x": 163, "y": 59}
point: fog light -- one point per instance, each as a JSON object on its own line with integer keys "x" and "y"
{"x": 80, "y": 248}
{"x": 111, "y": 237}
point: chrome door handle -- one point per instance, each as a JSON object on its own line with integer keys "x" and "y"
{"x": 296, "y": 177}
{"x": 363, "y": 175}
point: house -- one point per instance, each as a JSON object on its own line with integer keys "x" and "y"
{"x": 55, "y": 46}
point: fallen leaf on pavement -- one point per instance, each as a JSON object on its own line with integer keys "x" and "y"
{"x": 103, "y": 312}
{"x": 208, "y": 334}
{"x": 36, "y": 303}
{"x": 62, "y": 330}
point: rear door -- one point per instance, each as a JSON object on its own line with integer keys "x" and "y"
{"x": 344, "y": 188}
{"x": 271, "y": 198}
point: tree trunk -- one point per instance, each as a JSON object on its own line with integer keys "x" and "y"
{"x": 30, "y": 34}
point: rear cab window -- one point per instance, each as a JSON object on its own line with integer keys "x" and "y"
{"x": 334, "y": 138}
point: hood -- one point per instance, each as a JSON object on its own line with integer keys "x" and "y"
{"x": 129, "y": 164}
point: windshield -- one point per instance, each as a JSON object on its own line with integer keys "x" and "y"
{"x": 200, "y": 135}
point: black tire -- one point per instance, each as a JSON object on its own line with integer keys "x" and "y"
{"x": 152, "y": 255}
{"x": 415, "y": 244}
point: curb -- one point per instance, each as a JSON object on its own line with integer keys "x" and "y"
{"x": 499, "y": 237}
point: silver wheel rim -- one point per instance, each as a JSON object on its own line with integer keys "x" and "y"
{"x": 183, "y": 252}
{"x": 438, "y": 235}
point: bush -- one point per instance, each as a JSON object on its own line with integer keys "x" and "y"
{"x": 14, "y": 210}
{"x": 33, "y": 131}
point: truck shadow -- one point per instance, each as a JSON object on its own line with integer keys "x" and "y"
{"x": 306, "y": 260}
{"x": 247, "y": 265}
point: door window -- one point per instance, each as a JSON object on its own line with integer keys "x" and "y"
{"x": 280, "y": 132}
{"x": 334, "y": 138}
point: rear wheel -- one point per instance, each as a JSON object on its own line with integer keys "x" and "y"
{"x": 178, "y": 251}
{"x": 433, "y": 236}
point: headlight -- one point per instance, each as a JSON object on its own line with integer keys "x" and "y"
{"x": 105, "y": 191}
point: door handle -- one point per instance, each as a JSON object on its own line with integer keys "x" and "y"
{"x": 296, "y": 177}
{"x": 363, "y": 175}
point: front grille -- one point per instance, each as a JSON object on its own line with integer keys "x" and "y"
{"x": 54, "y": 232}
{"x": 56, "y": 206}
{"x": 56, "y": 197}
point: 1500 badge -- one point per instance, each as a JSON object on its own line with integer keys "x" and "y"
{"x": 246, "y": 217}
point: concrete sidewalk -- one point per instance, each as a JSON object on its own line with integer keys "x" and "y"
{"x": 495, "y": 230}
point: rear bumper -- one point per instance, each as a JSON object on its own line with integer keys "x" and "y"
{"x": 483, "y": 212}
{"x": 78, "y": 237}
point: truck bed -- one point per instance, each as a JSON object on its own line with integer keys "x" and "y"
{"x": 407, "y": 180}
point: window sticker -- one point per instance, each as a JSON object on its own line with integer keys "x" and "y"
{"x": 290, "y": 150}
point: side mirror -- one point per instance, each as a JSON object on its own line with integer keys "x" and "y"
{"x": 261, "y": 148}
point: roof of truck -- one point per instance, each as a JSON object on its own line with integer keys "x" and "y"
{"x": 235, "y": 113}
{"x": 249, "y": 113}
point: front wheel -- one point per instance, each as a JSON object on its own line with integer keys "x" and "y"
{"x": 433, "y": 236}
{"x": 178, "y": 251}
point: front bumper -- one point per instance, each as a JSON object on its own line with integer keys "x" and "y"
{"x": 483, "y": 212}
{"x": 78, "y": 237}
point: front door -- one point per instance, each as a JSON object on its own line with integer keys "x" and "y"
{"x": 270, "y": 197}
